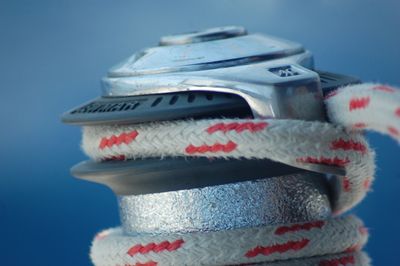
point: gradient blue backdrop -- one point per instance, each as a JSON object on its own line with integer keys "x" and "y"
{"x": 53, "y": 53}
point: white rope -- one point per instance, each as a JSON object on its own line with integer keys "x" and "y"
{"x": 366, "y": 106}
{"x": 287, "y": 141}
{"x": 263, "y": 244}
{"x": 294, "y": 142}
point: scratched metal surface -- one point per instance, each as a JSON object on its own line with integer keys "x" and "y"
{"x": 269, "y": 201}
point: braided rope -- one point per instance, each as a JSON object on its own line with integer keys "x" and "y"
{"x": 263, "y": 244}
{"x": 365, "y": 106}
{"x": 287, "y": 141}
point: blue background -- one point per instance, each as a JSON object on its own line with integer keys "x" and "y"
{"x": 53, "y": 54}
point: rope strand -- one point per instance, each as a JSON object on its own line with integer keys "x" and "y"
{"x": 350, "y": 110}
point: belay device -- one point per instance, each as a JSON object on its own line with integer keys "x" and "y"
{"x": 217, "y": 73}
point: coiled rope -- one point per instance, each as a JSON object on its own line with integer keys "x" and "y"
{"x": 294, "y": 142}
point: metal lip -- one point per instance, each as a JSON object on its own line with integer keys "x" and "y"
{"x": 211, "y": 34}
{"x": 158, "y": 107}
{"x": 155, "y": 175}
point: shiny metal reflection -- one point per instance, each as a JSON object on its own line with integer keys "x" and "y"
{"x": 270, "y": 201}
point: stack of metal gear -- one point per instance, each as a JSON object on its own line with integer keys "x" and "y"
{"x": 217, "y": 73}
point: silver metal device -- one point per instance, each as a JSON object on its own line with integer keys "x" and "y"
{"x": 274, "y": 76}
{"x": 219, "y": 72}
{"x": 189, "y": 195}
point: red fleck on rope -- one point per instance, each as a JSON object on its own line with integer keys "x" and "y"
{"x": 125, "y": 137}
{"x": 359, "y": 103}
{"x": 385, "y": 88}
{"x": 217, "y": 147}
{"x": 393, "y": 131}
{"x": 163, "y": 246}
{"x": 115, "y": 158}
{"x": 348, "y": 145}
{"x": 338, "y": 262}
{"x": 397, "y": 112}
{"x": 102, "y": 235}
{"x": 367, "y": 183}
{"x": 346, "y": 184}
{"x": 149, "y": 263}
{"x": 280, "y": 248}
{"x": 331, "y": 94}
{"x": 323, "y": 160}
{"x": 360, "y": 125}
{"x": 353, "y": 248}
{"x": 297, "y": 227}
{"x": 363, "y": 230}
{"x": 238, "y": 127}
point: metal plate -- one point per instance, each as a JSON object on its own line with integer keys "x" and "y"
{"x": 159, "y": 175}
{"x": 331, "y": 81}
{"x": 178, "y": 105}
{"x": 158, "y": 107}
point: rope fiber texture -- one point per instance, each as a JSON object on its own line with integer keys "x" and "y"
{"x": 338, "y": 143}
{"x": 264, "y": 244}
